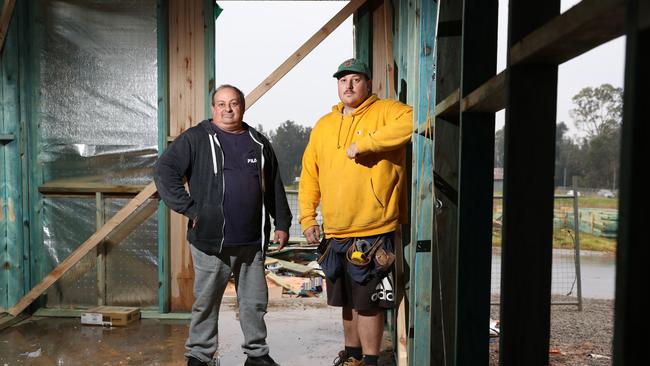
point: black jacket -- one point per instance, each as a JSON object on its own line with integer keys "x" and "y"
{"x": 197, "y": 155}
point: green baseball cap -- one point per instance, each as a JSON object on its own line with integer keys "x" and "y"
{"x": 352, "y": 66}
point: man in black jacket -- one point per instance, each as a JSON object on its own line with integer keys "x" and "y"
{"x": 234, "y": 189}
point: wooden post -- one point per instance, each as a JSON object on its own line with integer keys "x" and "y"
{"x": 424, "y": 282}
{"x": 162, "y": 43}
{"x": 446, "y": 173}
{"x": 476, "y": 177}
{"x": 631, "y": 319}
{"x": 576, "y": 230}
{"x": 528, "y": 195}
{"x": 101, "y": 250}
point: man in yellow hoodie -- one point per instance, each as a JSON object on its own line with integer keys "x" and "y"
{"x": 354, "y": 167}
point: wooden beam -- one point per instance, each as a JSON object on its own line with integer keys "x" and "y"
{"x": 128, "y": 226}
{"x": 83, "y": 249}
{"x": 489, "y": 97}
{"x": 585, "y": 26}
{"x": 303, "y": 51}
{"x": 449, "y": 106}
{"x": 88, "y": 188}
{"x": 5, "y": 19}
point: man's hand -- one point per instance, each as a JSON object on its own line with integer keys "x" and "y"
{"x": 352, "y": 151}
{"x": 280, "y": 237}
{"x": 312, "y": 234}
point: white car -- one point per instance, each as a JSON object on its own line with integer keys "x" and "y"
{"x": 570, "y": 193}
{"x": 606, "y": 193}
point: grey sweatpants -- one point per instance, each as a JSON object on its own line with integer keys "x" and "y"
{"x": 211, "y": 275}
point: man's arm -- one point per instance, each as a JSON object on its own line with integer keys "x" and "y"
{"x": 282, "y": 213}
{"x": 309, "y": 188}
{"x": 169, "y": 171}
{"x": 395, "y": 133}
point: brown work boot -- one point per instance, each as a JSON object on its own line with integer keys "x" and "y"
{"x": 351, "y": 361}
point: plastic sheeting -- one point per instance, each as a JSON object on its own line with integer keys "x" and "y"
{"x": 98, "y": 88}
{"x": 97, "y": 117}
{"x": 131, "y": 266}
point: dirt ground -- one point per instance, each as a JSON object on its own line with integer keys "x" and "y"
{"x": 578, "y": 338}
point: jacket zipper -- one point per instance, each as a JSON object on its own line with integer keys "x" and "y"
{"x": 261, "y": 173}
{"x": 223, "y": 182}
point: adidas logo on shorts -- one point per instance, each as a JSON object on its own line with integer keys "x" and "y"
{"x": 384, "y": 290}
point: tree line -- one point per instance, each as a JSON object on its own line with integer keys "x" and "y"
{"x": 289, "y": 141}
{"x": 594, "y": 158}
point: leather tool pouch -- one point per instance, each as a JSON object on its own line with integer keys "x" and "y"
{"x": 383, "y": 259}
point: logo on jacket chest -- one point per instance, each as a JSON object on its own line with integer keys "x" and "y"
{"x": 251, "y": 160}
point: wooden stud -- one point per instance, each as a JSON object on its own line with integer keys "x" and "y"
{"x": 101, "y": 250}
{"x": 26, "y": 80}
{"x": 162, "y": 21}
{"x": 475, "y": 182}
{"x": 388, "y": 49}
{"x": 187, "y": 99}
{"x": 11, "y": 194}
{"x": 529, "y": 167}
{"x": 424, "y": 294}
{"x": 446, "y": 172}
{"x": 379, "y": 61}
{"x": 362, "y": 33}
{"x": 631, "y": 319}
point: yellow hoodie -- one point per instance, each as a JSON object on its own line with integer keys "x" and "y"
{"x": 363, "y": 196}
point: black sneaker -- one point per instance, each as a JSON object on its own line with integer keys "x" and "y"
{"x": 265, "y": 360}
{"x": 191, "y": 361}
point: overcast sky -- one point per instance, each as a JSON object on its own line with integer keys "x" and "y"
{"x": 255, "y": 37}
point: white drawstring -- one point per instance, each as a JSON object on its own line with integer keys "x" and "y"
{"x": 214, "y": 156}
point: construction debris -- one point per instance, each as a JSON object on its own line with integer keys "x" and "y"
{"x": 115, "y": 316}
{"x": 494, "y": 328}
{"x": 295, "y": 270}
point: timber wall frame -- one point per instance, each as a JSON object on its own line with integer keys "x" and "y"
{"x": 539, "y": 39}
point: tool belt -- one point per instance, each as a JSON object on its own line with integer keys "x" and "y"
{"x": 362, "y": 259}
{"x": 360, "y": 256}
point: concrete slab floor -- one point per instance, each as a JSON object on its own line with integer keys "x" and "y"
{"x": 299, "y": 333}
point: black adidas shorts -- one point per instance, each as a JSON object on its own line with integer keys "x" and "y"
{"x": 376, "y": 294}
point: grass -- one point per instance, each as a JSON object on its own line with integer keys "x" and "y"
{"x": 563, "y": 238}
{"x": 597, "y": 202}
